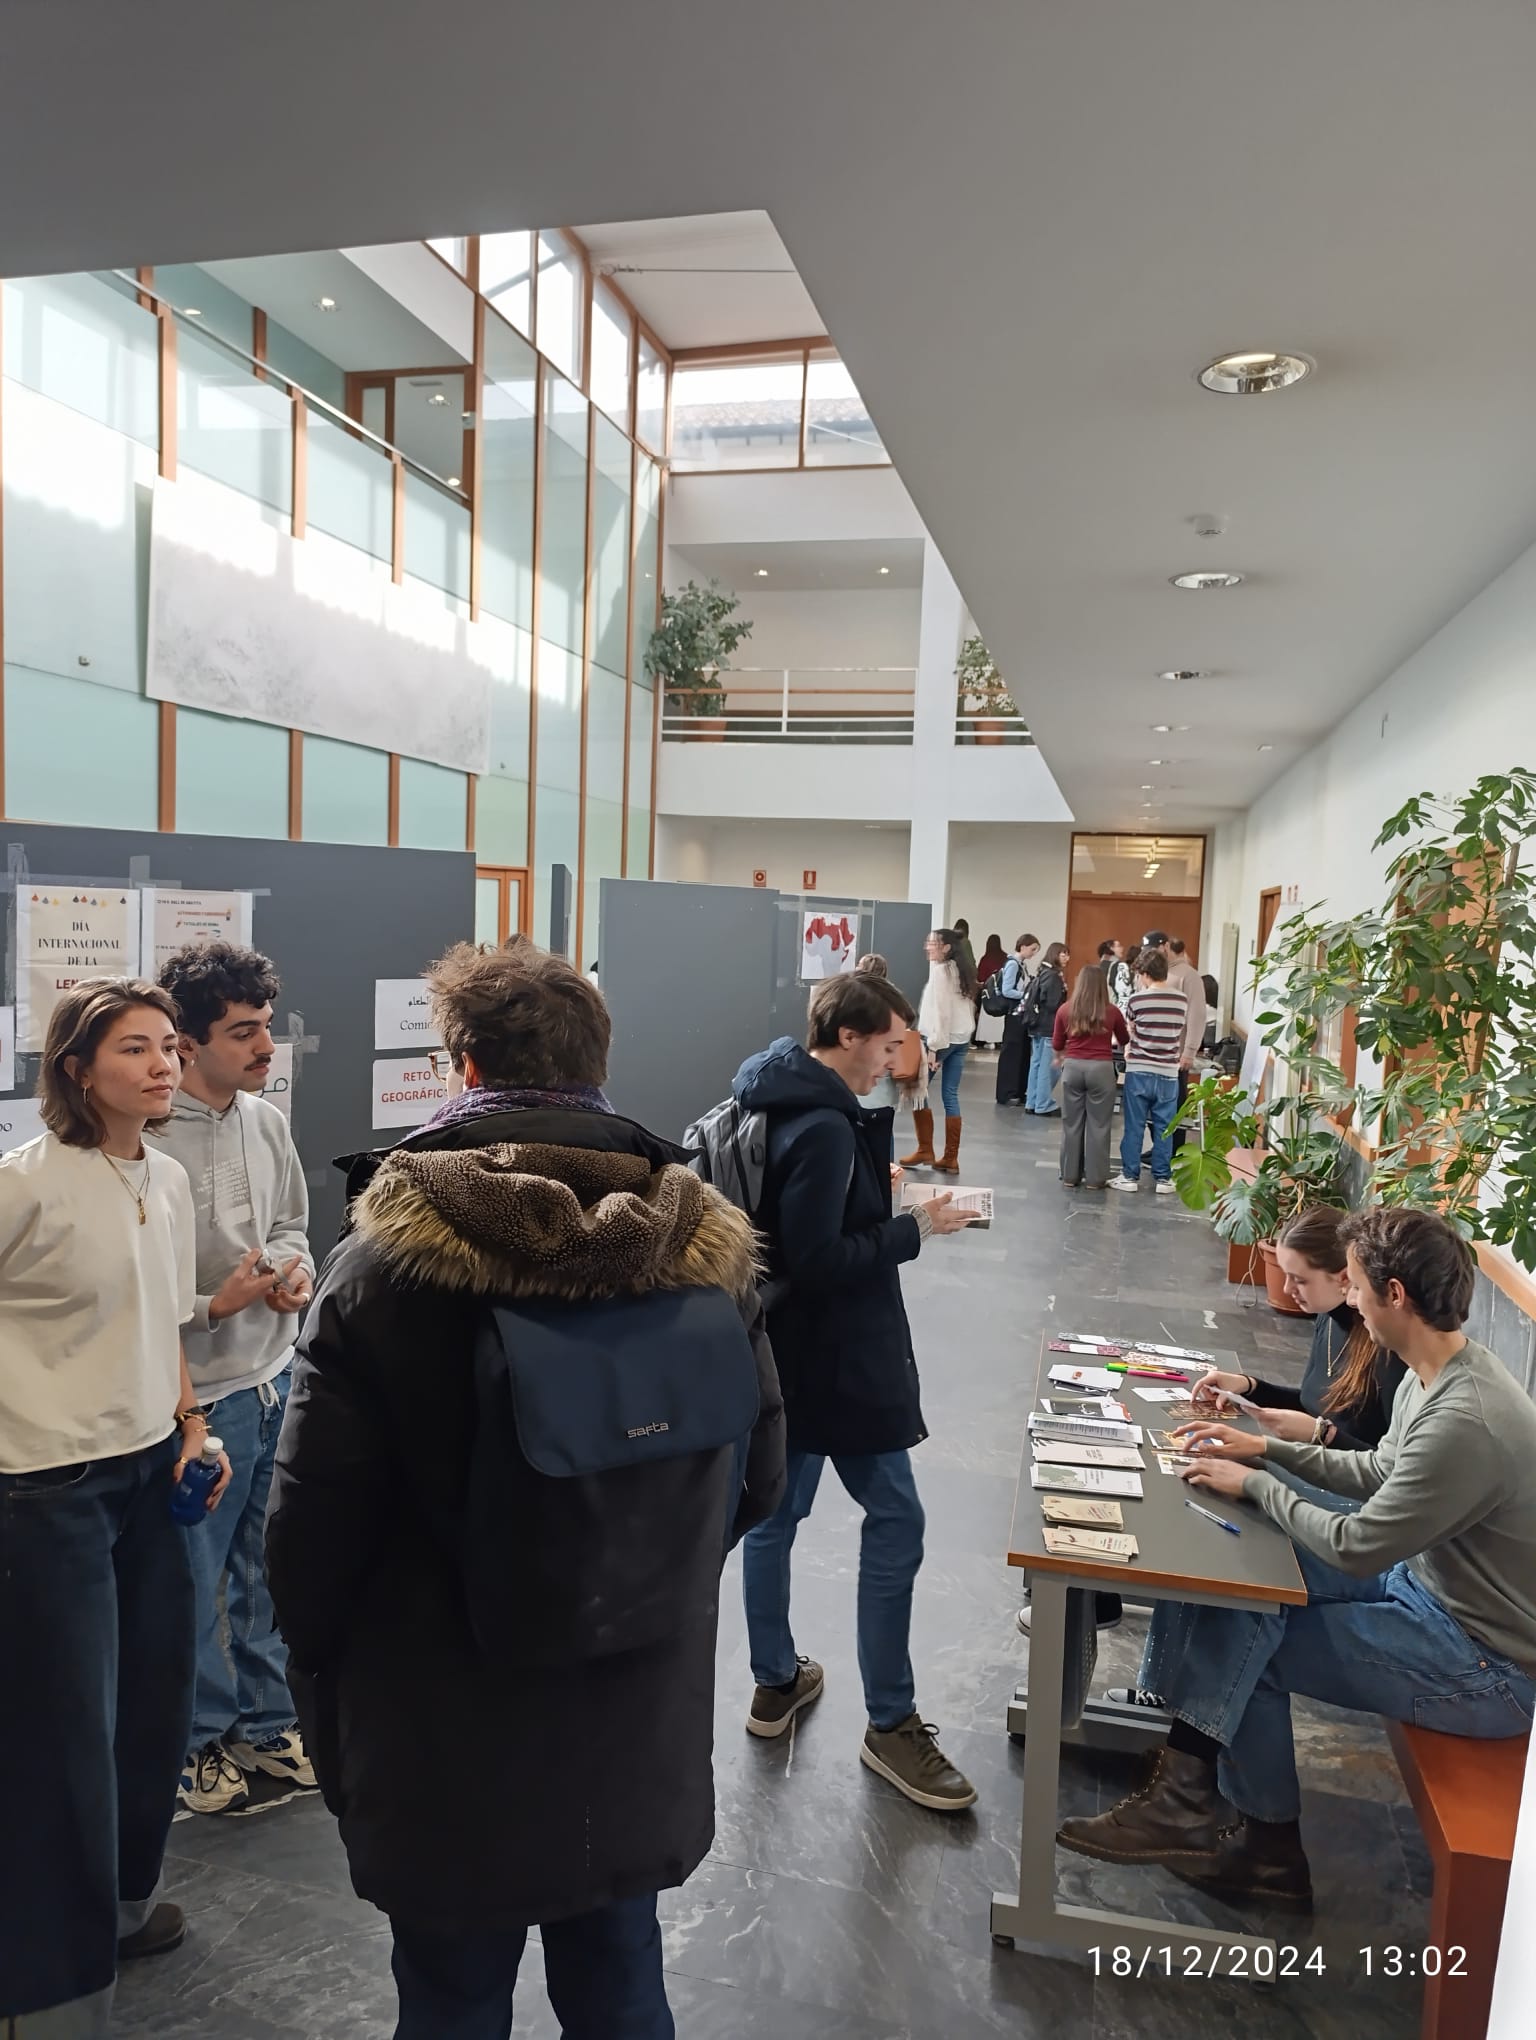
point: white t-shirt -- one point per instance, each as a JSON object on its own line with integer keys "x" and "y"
{"x": 91, "y": 1303}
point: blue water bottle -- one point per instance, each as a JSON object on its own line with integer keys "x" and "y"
{"x": 199, "y": 1478}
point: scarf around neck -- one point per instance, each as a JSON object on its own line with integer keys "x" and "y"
{"x": 484, "y": 1103}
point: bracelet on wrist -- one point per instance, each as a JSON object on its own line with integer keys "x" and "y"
{"x": 193, "y": 1414}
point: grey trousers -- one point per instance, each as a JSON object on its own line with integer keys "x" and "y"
{"x": 1087, "y": 1117}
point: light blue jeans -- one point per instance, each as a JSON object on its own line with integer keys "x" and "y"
{"x": 1147, "y": 1096}
{"x": 951, "y": 1064}
{"x": 242, "y": 1694}
{"x": 1042, "y": 1076}
{"x": 890, "y": 1552}
{"x": 1383, "y": 1645}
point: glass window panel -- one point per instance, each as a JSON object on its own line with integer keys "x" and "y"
{"x": 501, "y": 804}
{"x": 506, "y": 276}
{"x": 454, "y": 249}
{"x": 562, "y": 303}
{"x": 436, "y": 536}
{"x": 610, "y": 545}
{"x": 604, "y": 847}
{"x": 78, "y": 753}
{"x": 313, "y": 371}
{"x": 230, "y": 426}
{"x": 564, "y": 556}
{"x": 501, "y": 820}
{"x": 86, "y": 342}
{"x": 612, "y": 332}
{"x": 642, "y": 737}
{"x": 231, "y": 776}
{"x": 215, "y": 307}
{"x": 647, "y": 573}
{"x": 375, "y": 410}
{"x": 428, "y": 422}
{"x": 488, "y": 910}
{"x": 838, "y": 430}
{"x": 508, "y": 424}
{"x": 432, "y": 806}
{"x": 557, "y": 813}
{"x": 1141, "y": 863}
{"x": 736, "y": 414}
{"x": 346, "y": 792}
{"x": 651, "y": 398}
{"x": 351, "y": 488}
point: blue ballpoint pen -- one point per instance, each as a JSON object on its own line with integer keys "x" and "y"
{"x": 1211, "y": 1516}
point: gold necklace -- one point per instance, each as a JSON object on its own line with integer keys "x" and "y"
{"x": 142, "y": 1192}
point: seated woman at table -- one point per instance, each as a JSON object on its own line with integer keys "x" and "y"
{"x": 1421, "y": 1603}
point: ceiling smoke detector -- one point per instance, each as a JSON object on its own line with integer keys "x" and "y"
{"x": 1201, "y": 583}
{"x": 1254, "y": 375}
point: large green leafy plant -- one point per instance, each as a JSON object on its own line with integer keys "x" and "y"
{"x": 692, "y": 645}
{"x": 979, "y": 684}
{"x": 1299, "y": 1160}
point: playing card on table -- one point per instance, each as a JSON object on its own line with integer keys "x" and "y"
{"x": 1173, "y": 1462}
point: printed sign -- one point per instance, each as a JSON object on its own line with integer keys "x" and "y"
{"x": 175, "y": 920}
{"x": 405, "y": 1092}
{"x": 64, "y": 934}
{"x": 402, "y": 1014}
{"x": 808, "y": 881}
{"x": 21, "y": 1120}
{"x": 759, "y": 878}
{"x": 7, "y": 1048}
{"x": 827, "y": 946}
{"x": 278, "y": 1089}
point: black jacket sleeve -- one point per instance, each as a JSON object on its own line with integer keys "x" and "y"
{"x": 816, "y": 1252}
{"x": 762, "y": 1487}
{"x": 1270, "y": 1395}
{"x": 336, "y": 1476}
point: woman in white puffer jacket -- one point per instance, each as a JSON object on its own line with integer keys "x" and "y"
{"x": 946, "y": 1019}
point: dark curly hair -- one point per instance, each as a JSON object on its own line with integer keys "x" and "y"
{"x": 206, "y": 979}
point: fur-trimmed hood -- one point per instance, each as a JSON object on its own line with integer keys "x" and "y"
{"x": 519, "y": 1220}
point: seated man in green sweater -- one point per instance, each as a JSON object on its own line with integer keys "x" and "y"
{"x": 1421, "y": 1604}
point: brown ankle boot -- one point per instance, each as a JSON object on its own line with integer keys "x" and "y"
{"x": 1256, "y": 1859}
{"x": 950, "y": 1165}
{"x": 922, "y": 1119}
{"x": 1175, "y": 1818}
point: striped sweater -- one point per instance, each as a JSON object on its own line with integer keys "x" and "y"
{"x": 1157, "y": 1022}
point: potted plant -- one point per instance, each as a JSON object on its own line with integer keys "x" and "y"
{"x": 690, "y": 648}
{"x": 982, "y": 692}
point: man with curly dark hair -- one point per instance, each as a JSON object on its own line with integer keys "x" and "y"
{"x": 254, "y": 1276}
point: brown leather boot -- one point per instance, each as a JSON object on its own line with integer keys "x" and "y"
{"x": 922, "y": 1119}
{"x": 1175, "y": 1818}
{"x": 1257, "y": 1859}
{"x": 950, "y": 1165}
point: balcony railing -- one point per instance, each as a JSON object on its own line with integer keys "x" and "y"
{"x": 991, "y": 729}
{"x": 811, "y": 705}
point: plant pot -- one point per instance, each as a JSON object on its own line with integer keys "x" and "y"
{"x": 709, "y": 729}
{"x": 989, "y": 732}
{"x": 1244, "y": 1264}
{"x": 1274, "y": 1282}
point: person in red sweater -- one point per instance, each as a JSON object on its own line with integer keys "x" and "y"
{"x": 1083, "y": 1040}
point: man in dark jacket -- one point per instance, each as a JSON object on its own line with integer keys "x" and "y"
{"x": 845, "y": 1353}
{"x": 532, "y": 1406}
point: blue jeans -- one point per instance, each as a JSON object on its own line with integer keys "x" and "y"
{"x": 890, "y": 1552}
{"x": 242, "y": 1694}
{"x": 1147, "y": 1097}
{"x": 1042, "y": 1076}
{"x": 1383, "y": 1645}
{"x": 603, "y": 1970}
{"x": 951, "y": 1063}
{"x": 95, "y": 1697}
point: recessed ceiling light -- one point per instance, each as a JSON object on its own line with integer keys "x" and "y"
{"x": 1254, "y": 375}
{"x": 762, "y": 573}
{"x": 885, "y": 570}
{"x": 1201, "y": 583}
{"x": 1157, "y": 761}
{"x": 1184, "y": 673}
{"x": 453, "y": 481}
{"x": 1146, "y": 786}
{"x": 326, "y": 304}
{"x": 1266, "y": 747}
{"x": 437, "y": 397}
{"x": 193, "y": 311}
{"x": 1161, "y": 728}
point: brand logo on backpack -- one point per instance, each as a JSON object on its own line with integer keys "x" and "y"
{"x": 648, "y": 1430}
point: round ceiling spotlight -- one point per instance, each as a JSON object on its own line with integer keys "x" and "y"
{"x": 1254, "y": 375}
{"x": 1185, "y": 673}
{"x": 1202, "y": 581}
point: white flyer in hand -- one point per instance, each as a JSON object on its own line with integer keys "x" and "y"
{"x": 977, "y": 1204}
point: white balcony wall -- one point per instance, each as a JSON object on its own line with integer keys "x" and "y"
{"x": 859, "y": 782}
{"x": 766, "y": 509}
{"x": 850, "y": 859}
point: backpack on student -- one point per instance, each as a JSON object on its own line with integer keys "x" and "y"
{"x": 731, "y": 1152}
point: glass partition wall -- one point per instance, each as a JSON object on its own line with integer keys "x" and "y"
{"x": 524, "y": 484}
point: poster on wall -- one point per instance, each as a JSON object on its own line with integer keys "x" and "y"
{"x": 405, "y": 1092}
{"x": 21, "y": 1120}
{"x": 278, "y": 1089}
{"x": 402, "y": 1014}
{"x": 828, "y": 946}
{"x": 174, "y": 919}
{"x": 7, "y": 1048}
{"x": 64, "y": 934}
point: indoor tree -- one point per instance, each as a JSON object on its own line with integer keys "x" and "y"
{"x": 692, "y": 645}
{"x": 980, "y": 686}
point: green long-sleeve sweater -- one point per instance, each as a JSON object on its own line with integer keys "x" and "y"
{"x": 1451, "y": 1489}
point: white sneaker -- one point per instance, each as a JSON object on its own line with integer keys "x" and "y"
{"x": 1165, "y": 1190}
{"x": 211, "y": 1781}
{"x": 1136, "y": 1696}
{"x": 1123, "y": 1183}
{"x": 280, "y": 1755}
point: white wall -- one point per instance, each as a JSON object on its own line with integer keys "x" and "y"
{"x": 810, "y": 627}
{"x": 1463, "y": 705}
{"x": 759, "y": 509}
{"x": 848, "y": 858}
{"x": 1010, "y": 879}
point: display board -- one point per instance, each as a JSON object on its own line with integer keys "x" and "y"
{"x": 335, "y": 918}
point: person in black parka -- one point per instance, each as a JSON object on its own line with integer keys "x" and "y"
{"x": 840, "y": 1332}
{"x": 532, "y": 1406}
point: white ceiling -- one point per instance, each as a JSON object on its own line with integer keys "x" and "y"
{"x": 708, "y": 281}
{"x": 842, "y": 564}
{"x": 1026, "y": 226}
{"x": 367, "y": 329}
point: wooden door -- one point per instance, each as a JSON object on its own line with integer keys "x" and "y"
{"x": 1269, "y": 911}
{"x": 1093, "y": 918}
{"x": 503, "y": 903}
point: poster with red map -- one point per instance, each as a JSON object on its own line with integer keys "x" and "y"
{"x": 828, "y": 946}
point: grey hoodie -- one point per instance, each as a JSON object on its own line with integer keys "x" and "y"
{"x": 248, "y": 1191}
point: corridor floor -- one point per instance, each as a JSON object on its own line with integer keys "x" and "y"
{"x": 830, "y": 1908}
